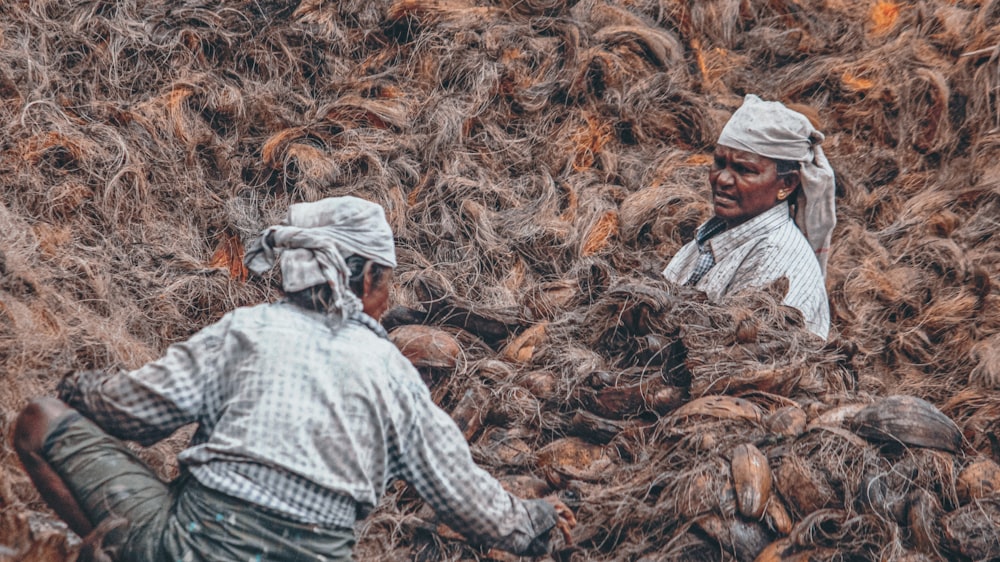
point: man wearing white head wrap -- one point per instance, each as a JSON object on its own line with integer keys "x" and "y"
{"x": 770, "y": 129}
{"x": 305, "y": 411}
{"x": 314, "y": 241}
{"x": 766, "y": 157}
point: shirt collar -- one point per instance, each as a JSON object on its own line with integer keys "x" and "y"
{"x": 712, "y": 226}
{"x": 731, "y": 238}
{"x": 359, "y": 317}
{"x": 370, "y": 323}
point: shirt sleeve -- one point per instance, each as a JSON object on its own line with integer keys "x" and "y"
{"x": 150, "y": 403}
{"x": 437, "y": 462}
{"x": 679, "y": 267}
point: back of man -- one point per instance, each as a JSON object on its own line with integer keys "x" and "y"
{"x": 305, "y": 413}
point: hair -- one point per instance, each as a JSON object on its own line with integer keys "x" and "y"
{"x": 320, "y": 297}
{"x": 356, "y": 264}
{"x": 786, "y": 168}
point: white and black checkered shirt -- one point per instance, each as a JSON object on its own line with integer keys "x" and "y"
{"x": 753, "y": 254}
{"x": 309, "y": 423}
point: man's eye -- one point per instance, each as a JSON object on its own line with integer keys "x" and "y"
{"x": 718, "y": 164}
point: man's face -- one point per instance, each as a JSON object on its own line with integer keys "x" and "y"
{"x": 744, "y": 184}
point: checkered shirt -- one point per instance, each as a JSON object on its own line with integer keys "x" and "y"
{"x": 309, "y": 422}
{"x": 706, "y": 259}
{"x": 754, "y": 254}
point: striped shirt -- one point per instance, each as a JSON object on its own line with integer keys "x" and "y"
{"x": 753, "y": 254}
{"x": 309, "y": 422}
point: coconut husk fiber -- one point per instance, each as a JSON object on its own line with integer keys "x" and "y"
{"x": 540, "y": 162}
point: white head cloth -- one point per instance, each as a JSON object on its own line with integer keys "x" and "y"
{"x": 314, "y": 240}
{"x": 770, "y": 129}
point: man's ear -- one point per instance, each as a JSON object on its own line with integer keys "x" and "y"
{"x": 367, "y": 282}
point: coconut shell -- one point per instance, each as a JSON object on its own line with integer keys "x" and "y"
{"x": 522, "y": 348}
{"x": 572, "y": 458}
{"x": 804, "y": 487}
{"x": 628, "y": 400}
{"x": 709, "y": 490}
{"x": 972, "y": 530}
{"x": 706, "y": 441}
{"x": 777, "y": 516}
{"x": 908, "y": 420}
{"x": 402, "y": 316}
{"x": 601, "y": 379}
{"x": 617, "y": 401}
{"x": 876, "y": 495}
{"x": 492, "y": 326}
{"x": 719, "y": 407}
{"x": 427, "y": 346}
{"x": 507, "y": 445}
{"x": 779, "y": 551}
{"x": 835, "y": 417}
{"x": 469, "y": 412}
{"x": 664, "y": 399}
{"x": 789, "y": 421}
{"x": 547, "y": 299}
{"x": 978, "y": 480}
{"x": 751, "y": 479}
{"x": 743, "y": 539}
{"x": 541, "y": 384}
{"x": 525, "y": 486}
{"x": 923, "y": 516}
{"x": 595, "y": 428}
{"x": 512, "y": 406}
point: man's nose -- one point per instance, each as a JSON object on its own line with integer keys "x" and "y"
{"x": 725, "y": 177}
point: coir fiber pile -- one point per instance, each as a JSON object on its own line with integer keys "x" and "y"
{"x": 540, "y": 161}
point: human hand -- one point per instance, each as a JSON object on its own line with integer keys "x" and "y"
{"x": 565, "y": 518}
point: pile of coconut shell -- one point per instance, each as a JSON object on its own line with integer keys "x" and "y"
{"x": 694, "y": 432}
{"x": 540, "y": 161}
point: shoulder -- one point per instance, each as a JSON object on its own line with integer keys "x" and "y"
{"x": 676, "y": 265}
{"x": 379, "y": 355}
{"x": 788, "y": 236}
{"x": 783, "y": 252}
{"x": 785, "y": 244}
{"x": 257, "y": 312}
{"x": 274, "y": 316}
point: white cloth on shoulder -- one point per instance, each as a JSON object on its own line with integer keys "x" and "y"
{"x": 770, "y": 129}
{"x": 314, "y": 240}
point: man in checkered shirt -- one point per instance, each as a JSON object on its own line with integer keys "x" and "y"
{"x": 305, "y": 413}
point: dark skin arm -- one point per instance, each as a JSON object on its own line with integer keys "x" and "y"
{"x": 29, "y": 434}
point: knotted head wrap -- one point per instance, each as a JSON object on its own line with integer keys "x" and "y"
{"x": 770, "y": 129}
{"x": 315, "y": 239}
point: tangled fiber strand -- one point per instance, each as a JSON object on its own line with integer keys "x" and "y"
{"x": 540, "y": 161}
